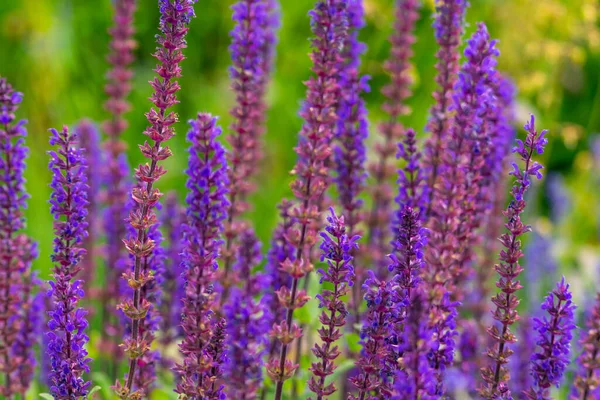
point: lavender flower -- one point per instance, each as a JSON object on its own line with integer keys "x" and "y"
{"x": 115, "y": 169}
{"x": 172, "y": 220}
{"x": 555, "y": 333}
{"x": 175, "y": 16}
{"x": 247, "y": 322}
{"x": 496, "y": 376}
{"x": 448, "y": 25}
{"x": 524, "y": 349}
{"x": 396, "y": 92}
{"x": 67, "y": 323}
{"x": 16, "y": 248}
{"x": 319, "y": 112}
{"x": 337, "y": 250}
{"x": 374, "y": 362}
{"x": 89, "y": 142}
{"x": 207, "y": 204}
{"x": 587, "y": 380}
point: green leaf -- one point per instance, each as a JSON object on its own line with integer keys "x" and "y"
{"x": 94, "y": 390}
{"x": 104, "y": 384}
{"x": 47, "y": 396}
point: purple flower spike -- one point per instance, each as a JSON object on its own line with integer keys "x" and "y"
{"x": 374, "y": 363}
{"x": 412, "y": 190}
{"x": 252, "y": 52}
{"x": 248, "y": 322}
{"x": 587, "y": 380}
{"x": 555, "y": 332}
{"x": 337, "y": 250}
{"x": 449, "y": 26}
{"x": 329, "y": 25}
{"x": 116, "y": 171}
{"x": 206, "y": 212}
{"x": 89, "y": 142}
{"x": 496, "y": 375}
{"x": 18, "y": 250}
{"x": 175, "y": 16}
{"x": 396, "y": 92}
{"x": 67, "y": 323}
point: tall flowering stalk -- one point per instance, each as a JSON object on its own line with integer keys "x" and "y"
{"x": 247, "y": 322}
{"x": 587, "y": 380}
{"x": 496, "y": 376}
{"x": 350, "y": 153}
{"x": 67, "y": 324}
{"x": 206, "y": 212}
{"x": 448, "y": 26}
{"x": 374, "y": 362}
{"x": 412, "y": 189}
{"x": 17, "y": 251}
{"x": 555, "y": 332}
{"x": 252, "y": 53}
{"x": 336, "y": 250}
{"x": 116, "y": 170}
{"x": 89, "y": 142}
{"x": 319, "y": 112}
{"x": 175, "y": 16}
{"x": 396, "y": 92}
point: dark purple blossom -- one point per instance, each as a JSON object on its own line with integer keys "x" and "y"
{"x": 89, "y": 142}
{"x": 17, "y": 251}
{"x": 382, "y": 171}
{"x": 247, "y": 322}
{"x": 68, "y": 322}
{"x": 374, "y": 363}
{"x": 207, "y": 206}
{"x": 319, "y": 111}
{"x": 449, "y": 26}
{"x": 336, "y": 248}
{"x": 175, "y": 16}
{"x": 496, "y": 376}
{"x": 555, "y": 332}
{"x": 115, "y": 169}
{"x": 412, "y": 189}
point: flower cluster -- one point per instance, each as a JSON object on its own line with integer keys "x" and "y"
{"x": 320, "y": 113}
{"x": 336, "y": 250}
{"x": 496, "y": 376}
{"x": 206, "y": 211}
{"x": 67, "y": 325}
{"x": 252, "y": 53}
{"x": 555, "y": 333}
{"x": 248, "y": 321}
{"x": 17, "y": 251}
{"x": 396, "y": 92}
{"x": 175, "y": 16}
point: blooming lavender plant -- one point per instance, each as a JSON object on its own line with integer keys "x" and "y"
{"x": 17, "y": 251}
{"x": 374, "y": 362}
{"x": 115, "y": 169}
{"x": 175, "y": 16}
{"x": 252, "y": 54}
{"x": 89, "y": 141}
{"x": 496, "y": 376}
{"x": 319, "y": 112}
{"x": 396, "y": 92}
{"x": 448, "y": 26}
{"x": 67, "y": 325}
{"x": 336, "y": 250}
{"x": 206, "y": 212}
{"x": 247, "y": 322}
{"x": 555, "y": 332}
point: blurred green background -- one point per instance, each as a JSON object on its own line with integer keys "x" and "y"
{"x": 54, "y": 51}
